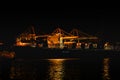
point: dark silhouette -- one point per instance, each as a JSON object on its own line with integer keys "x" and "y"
{"x": 83, "y": 46}
{"x": 91, "y": 46}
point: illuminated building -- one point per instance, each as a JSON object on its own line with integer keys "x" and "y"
{"x": 57, "y": 39}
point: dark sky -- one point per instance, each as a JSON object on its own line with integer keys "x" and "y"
{"x": 103, "y": 22}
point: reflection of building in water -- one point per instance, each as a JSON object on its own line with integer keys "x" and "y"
{"x": 106, "y": 75}
{"x": 21, "y": 71}
{"x": 56, "y": 69}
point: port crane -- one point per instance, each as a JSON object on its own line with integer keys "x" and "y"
{"x": 58, "y": 37}
{"x": 81, "y": 35}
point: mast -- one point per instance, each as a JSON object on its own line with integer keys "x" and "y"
{"x": 33, "y": 30}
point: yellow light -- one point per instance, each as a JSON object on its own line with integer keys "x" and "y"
{"x": 56, "y": 69}
{"x": 106, "y": 75}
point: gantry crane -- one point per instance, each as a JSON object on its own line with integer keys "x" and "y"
{"x": 82, "y": 35}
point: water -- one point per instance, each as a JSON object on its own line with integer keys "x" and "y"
{"x": 106, "y": 68}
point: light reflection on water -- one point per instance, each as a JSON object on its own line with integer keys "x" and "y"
{"x": 56, "y": 69}
{"x": 59, "y": 69}
{"x": 106, "y": 75}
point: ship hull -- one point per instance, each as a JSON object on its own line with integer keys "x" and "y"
{"x": 43, "y": 53}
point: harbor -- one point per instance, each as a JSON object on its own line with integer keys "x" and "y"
{"x": 59, "y": 44}
{"x": 61, "y": 39}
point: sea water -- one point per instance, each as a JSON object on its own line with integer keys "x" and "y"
{"x": 87, "y": 68}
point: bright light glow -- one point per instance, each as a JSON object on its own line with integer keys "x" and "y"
{"x": 106, "y": 75}
{"x": 56, "y": 69}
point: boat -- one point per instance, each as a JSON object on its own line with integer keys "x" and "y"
{"x": 7, "y": 54}
{"x": 47, "y": 53}
{"x": 58, "y": 44}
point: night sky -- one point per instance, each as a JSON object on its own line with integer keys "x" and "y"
{"x": 101, "y": 22}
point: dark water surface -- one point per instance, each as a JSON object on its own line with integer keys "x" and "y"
{"x": 107, "y": 68}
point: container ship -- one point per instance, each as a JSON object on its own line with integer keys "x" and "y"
{"x": 59, "y": 43}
